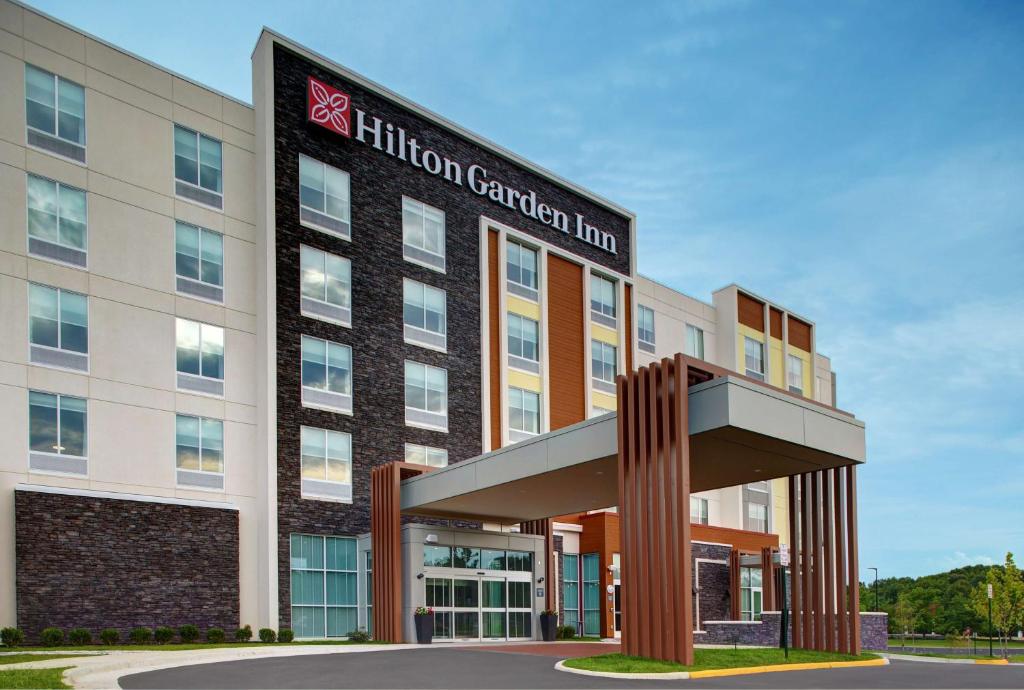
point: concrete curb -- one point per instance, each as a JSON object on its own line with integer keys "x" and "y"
{"x": 723, "y": 672}
{"x": 941, "y": 660}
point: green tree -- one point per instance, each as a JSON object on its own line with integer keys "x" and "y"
{"x": 906, "y": 615}
{"x": 1007, "y": 599}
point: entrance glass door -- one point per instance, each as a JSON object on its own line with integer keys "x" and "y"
{"x": 481, "y": 608}
{"x": 492, "y": 609}
{"x": 466, "y": 609}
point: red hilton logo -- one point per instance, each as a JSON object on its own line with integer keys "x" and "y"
{"x": 328, "y": 107}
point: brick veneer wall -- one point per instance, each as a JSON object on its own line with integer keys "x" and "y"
{"x": 873, "y": 631}
{"x": 713, "y": 581}
{"x": 97, "y": 563}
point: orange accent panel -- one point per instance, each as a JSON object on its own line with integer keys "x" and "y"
{"x": 799, "y": 334}
{"x": 751, "y": 311}
{"x": 494, "y": 344}
{"x": 629, "y": 327}
{"x": 775, "y": 322}
{"x": 743, "y": 540}
{"x": 600, "y": 535}
{"x": 566, "y": 356}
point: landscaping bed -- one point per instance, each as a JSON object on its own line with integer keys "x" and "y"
{"x": 709, "y": 659}
{"x": 45, "y": 678}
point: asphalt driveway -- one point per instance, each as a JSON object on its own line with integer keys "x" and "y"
{"x": 474, "y": 667}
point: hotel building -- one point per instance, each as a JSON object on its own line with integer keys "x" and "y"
{"x": 222, "y": 317}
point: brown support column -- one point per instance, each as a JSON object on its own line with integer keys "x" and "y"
{"x": 385, "y": 540}
{"x": 805, "y": 558}
{"x": 768, "y": 581}
{"x": 543, "y": 528}
{"x": 819, "y": 566}
{"x": 654, "y": 489}
{"x": 851, "y": 522}
{"x": 830, "y": 565}
{"x": 795, "y": 576}
{"x": 841, "y": 598}
{"x": 734, "y": 585}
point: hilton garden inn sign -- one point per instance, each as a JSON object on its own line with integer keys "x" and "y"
{"x": 331, "y": 108}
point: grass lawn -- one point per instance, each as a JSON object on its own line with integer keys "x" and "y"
{"x": 43, "y": 678}
{"x": 706, "y": 659}
{"x": 185, "y": 647}
{"x": 25, "y": 658}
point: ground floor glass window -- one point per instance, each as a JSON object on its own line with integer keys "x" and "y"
{"x": 571, "y": 589}
{"x": 324, "y": 589}
{"x": 591, "y": 594}
{"x": 750, "y": 594}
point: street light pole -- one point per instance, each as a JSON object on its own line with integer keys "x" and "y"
{"x": 990, "y": 620}
{"x": 876, "y": 587}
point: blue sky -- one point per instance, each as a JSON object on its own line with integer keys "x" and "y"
{"x": 861, "y": 163}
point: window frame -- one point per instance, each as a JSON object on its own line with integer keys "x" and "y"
{"x": 321, "y": 398}
{"x": 178, "y": 225}
{"x": 324, "y": 570}
{"x": 703, "y": 510}
{"x": 790, "y": 361}
{"x": 643, "y": 313}
{"x": 325, "y": 227}
{"x": 694, "y": 341}
{"x": 427, "y": 450}
{"x": 513, "y": 356}
{"x": 428, "y": 335}
{"x": 57, "y": 80}
{"x": 84, "y": 458}
{"x": 58, "y": 186}
{"x": 752, "y": 373}
{"x": 746, "y": 585}
{"x": 86, "y": 355}
{"x": 519, "y": 433}
{"x": 224, "y": 358}
{"x": 750, "y": 518}
{"x": 517, "y": 287}
{"x": 604, "y": 364}
{"x": 421, "y": 423}
{"x": 421, "y": 208}
{"x": 602, "y": 315}
{"x": 223, "y": 455}
{"x": 345, "y": 310}
{"x": 307, "y": 490}
{"x": 199, "y": 165}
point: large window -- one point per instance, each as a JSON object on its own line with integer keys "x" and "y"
{"x": 200, "y": 357}
{"x": 57, "y": 433}
{"x": 523, "y": 339}
{"x": 326, "y": 374}
{"x": 324, "y": 197}
{"x": 197, "y": 167}
{"x": 324, "y": 586}
{"x": 199, "y": 449}
{"x": 645, "y": 327}
{"x": 750, "y": 594}
{"x": 753, "y": 358}
{"x": 602, "y": 300}
{"x": 699, "y": 510}
{"x": 424, "y": 315}
{"x": 571, "y": 590}
{"x": 55, "y": 113}
{"x": 426, "y": 396}
{"x": 423, "y": 234}
{"x": 199, "y": 261}
{"x": 604, "y": 361}
{"x": 591, "y": 594}
{"x": 694, "y": 341}
{"x": 521, "y": 270}
{"x": 326, "y": 285}
{"x": 326, "y": 464}
{"x": 523, "y": 413}
{"x": 426, "y": 455}
{"x": 757, "y": 517}
{"x": 57, "y": 221}
{"x": 58, "y": 327}
{"x": 368, "y": 584}
{"x": 795, "y": 374}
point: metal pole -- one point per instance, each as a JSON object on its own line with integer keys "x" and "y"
{"x": 990, "y": 626}
{"x": 785, "y": 611}
{"x": 876, "y": 587}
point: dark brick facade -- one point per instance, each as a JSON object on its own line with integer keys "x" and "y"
{"x": 767, "y": 633}
{"x": 713, "y": 582}
{"x": 109, "y": 563}
{"x": 378, "y": 182}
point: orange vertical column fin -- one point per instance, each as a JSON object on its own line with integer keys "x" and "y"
{"x": 681, "y": 445}
{"x": 494, "y": 317}
{"x": 842, "y": 600}
{"x": 734, "y": 585}
{"x": 385, "y": 540}
{"x": 795, "y": 579}
{"x": 805, "y": 558}
{"x": 828, "y": 519}
{"x": 854, "y": 582}
{"x": 819, "y": 566}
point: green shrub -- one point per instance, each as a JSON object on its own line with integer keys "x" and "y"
{"x": 268, "y": 635}
{"x": 79, "y": 637}
{"x": 243, "y": 634}
{"x": 52, "y": 637}
{"x": 285, "y": 635}
{"x": 359, "y": 636}
{"x": 110, "y": 636}
{"x": 188, "y": 633}
{"x": 565, "y": 632}
{"x": 163, "y": 634}
{"x": 11, "y": 637}
{"x": 215, "y": 635}
{"x": 140, "y": 635}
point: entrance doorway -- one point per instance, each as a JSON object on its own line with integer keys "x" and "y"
{"x": 481, "y": 608}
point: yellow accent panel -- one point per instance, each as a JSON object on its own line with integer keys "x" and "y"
{"x": 780, "y": 509}
{"x": 603, "y": 400}
{"x": 605, "y": 335}
{"x": 776, "y": 364}
{"x": 522, "y": 307}
{"x": 808, "y": 382}
{"x": 520, "y": 379}
{"x": 743, "y": 330}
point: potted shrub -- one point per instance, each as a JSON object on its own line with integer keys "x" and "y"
{"x": 548, "y": 625}
{"x": 424, "y": 618}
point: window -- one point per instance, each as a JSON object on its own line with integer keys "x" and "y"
{"x": 326, "y": 465}
{"x": 603, "y": 359}
{"x": 368, "y": 583}
{"x": 57, "y": 433}
{"x": 694, "y": 341}
{"x": 795, "y": 374}
{"x": 197, "y": 167}
{"x": 521, "y": 270}
{"x": 753, "y": 358}
{"x": 591, "y": 594}
{"x": 426, "y": 396}
{"x": 57, "y": 221}
{"x": 602, "y": 300}
{"x": 58, "y": 327}
{"x": 757, "y": 517}
{"x": 523, "y": 350}
{"x": 200, "y": 357}
{"x": 326, "y": 374}
{"x": 750, "y": 594}
{"x": 324, "y": 586}
{"x": 200, "y": 452}
{"x": 425, "y": 455}
{"x": 324, "y": 197}
{"x": 199, "y": 261}
{"x": 492, "y": 559}
{"x": 55, "y": 113}
{"x": 423, "y": 234}
{"x": 523, "y": 413}
{"x": 424, "y": 315}
{"x": 571, "y": 590}
{"x": 326, "y": 282}
{"x": 645, "y": 327}
{"x": 699, "y": 510}
{"x": 437, "y": 556}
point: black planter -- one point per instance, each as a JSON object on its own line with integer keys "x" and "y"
{"x": 548, "y": 626}
{"x": 424, "y": 628}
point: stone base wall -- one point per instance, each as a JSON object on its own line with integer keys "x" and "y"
{"x": 767, "y": 632}
{"x": 874, "y": 631}
{"x": 95, "y": 563}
